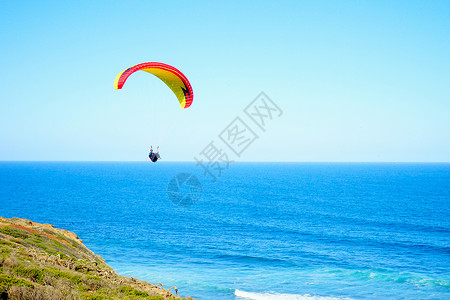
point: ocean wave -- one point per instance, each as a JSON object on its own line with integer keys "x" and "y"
{"x": 390, "y": 276}
{"x": 278, "y": 296}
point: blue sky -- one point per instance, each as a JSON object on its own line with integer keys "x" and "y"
{"x": 356, "y": 80}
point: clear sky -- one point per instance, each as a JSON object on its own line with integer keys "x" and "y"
{"x": 356, "y": 80}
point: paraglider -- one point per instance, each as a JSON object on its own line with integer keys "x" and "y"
{"x": 154, "y": 156}
{"x": 171, "y": 76}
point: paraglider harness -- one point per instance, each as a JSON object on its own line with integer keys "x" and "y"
{"x": 154, "y": 156}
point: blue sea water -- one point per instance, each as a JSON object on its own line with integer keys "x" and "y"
{"x": 261, "y": 231}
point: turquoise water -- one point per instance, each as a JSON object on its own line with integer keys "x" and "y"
{"x": 262, "y": 231}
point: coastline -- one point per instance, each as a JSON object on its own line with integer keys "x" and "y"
{"x": 38, "y": 261}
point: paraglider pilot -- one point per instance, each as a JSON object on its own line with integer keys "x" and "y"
{"x": 154, "y": 156}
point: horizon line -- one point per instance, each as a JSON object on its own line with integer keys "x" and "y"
{"x": 248, "y": 161}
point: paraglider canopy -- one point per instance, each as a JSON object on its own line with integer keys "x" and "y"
{"x": 171, "y": 76}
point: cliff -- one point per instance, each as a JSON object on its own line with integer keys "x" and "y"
{"x": 38, "y": 261}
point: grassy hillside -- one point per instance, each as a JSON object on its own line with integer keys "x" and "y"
{"x": 38, "y": 261}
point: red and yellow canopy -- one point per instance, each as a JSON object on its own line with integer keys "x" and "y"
{"x": 171, "y": 76}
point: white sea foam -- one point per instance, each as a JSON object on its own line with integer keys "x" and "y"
{"x": 276, "y": 296}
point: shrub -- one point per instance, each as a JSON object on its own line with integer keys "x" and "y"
{"x": 17, "y": 233}
{"x": 129, "y": 291}
{"x": 6, "y": 281}
{"x": 34, "y": 274}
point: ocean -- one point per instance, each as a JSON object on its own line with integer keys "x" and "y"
{"x": 256, "y": 230}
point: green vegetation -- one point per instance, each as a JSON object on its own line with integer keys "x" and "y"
{"x": 17, "y": 233}
{"x": 43, "y": 263}
{"x": 132, "y": 292}
{"x": 7, "y": 281}
{"x": 33, "y": 274}
{"x": 2, "y": 242}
